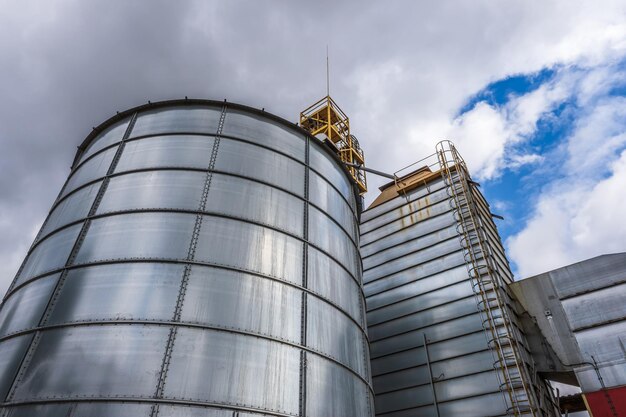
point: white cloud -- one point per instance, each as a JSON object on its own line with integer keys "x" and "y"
{"x": 597, "y": 137}
{"x": 401, "y": 70}
{"x": 481, "y": 136}
{"x": 491, "y": 138}
{"x": 580, "y": 214}
{"x": 517, "y": 161}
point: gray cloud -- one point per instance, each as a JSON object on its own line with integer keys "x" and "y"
{"x": 398, "y": 69}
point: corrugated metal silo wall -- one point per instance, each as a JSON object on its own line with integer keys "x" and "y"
{"x": 201, "y": 260}
{"x": 416, "y": 284}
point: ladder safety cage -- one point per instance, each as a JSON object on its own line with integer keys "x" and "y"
{"x": 502, "y": 339}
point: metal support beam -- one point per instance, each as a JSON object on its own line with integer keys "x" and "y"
{"x": 430, "y": 375}
{"x": 370, "y": 170}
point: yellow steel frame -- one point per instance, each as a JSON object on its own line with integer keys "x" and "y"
{"x": 326, "y": 118}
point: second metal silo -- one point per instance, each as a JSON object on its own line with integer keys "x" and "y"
{"x": 200, "y": 260}
{"x": 445, "y": 337}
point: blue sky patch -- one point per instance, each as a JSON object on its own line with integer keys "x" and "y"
{"x": 499, "y": 92}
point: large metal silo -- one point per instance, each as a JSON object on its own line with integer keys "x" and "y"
{"x": 201, "y": 260}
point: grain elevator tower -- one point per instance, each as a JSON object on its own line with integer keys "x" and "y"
{"x": 444, "y": 337}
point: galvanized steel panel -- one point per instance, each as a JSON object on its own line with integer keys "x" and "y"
{"x": 153, "y": 189}
{"x": 82, "y": 409}
{"x": 138, "y": 235}
{"x": 606, "y": 270}
{"x": 417, "y": 193}
{"x": 325, "y": 233}
{"x": 166, "y": 151}
{"x": 424, "y": 411}
{"x": 420, "y": 302}
{"x": 49, "y": 254}
{"x": 436, "y": 219}
{"x": 188, "y": 119}
{"x": 329, "y": 200}
{"x": 417, "y": 272}
{"x": 440, "y": 249}
{"x": 94, "y": 168}
{"x": 606, "y": 343}
{"x": 413, "y": 212}
{"x": 128, "y": 291}
{"x": 234, "y": 300}
{"x": 405, "y": 357}
{"x": 101, "y": 361}
{"x": 446, "y": 369}
{"x": 264, "y": 132}
{"x": 254, "y": 201}
{"x": 11, "y": 353}
{"x": 253, "y": 161}
{"x": 178, "y": 411}
{"x": 112, "y": 134}
{"x": 334, "y": 391}
{"x": 75, "y": 207}
{"x": 190, "y": 411}
{"x": 423, "y": 318}
{"x": 333, "y": 334}
{"x": 435, "y": 332}
{"x": 248, "y": 371}
{"x": 402, "y": 399}
{"x": 24, "y": 308}
{"x": 489, "y": 405}
{"x": 328, "y": 279}
{"x": 471, "y": 385}
{"x": 328, "y": 168}
{"x": 419, "y": 286}
{"x": 412, "y": 244}
{"x": 250, "y": 247}
{"x": 613, "y": 375}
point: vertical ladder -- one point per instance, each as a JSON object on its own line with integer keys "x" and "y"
{"x": 503, "y": 342}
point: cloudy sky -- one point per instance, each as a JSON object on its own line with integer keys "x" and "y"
{"x": 533, "y": 94}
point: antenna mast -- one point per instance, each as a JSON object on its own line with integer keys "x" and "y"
{"x": 329, "y": 123}
{"x": 327, "y": 73}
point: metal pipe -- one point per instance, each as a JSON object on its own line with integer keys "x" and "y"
{"x": 370, "y": 170}
{"x": 430, "y": 375}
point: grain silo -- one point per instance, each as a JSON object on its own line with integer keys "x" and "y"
{"x": 201, "y": 260}
{"x": 444, "y": 333}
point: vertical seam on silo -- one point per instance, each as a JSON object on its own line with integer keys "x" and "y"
{"x": 363, "y": 323}
{"x": 305, "y": 282}
{"x": 191, "y": 253}
{"x": 41, "y": 229}
{"x": 32, "y": 348}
